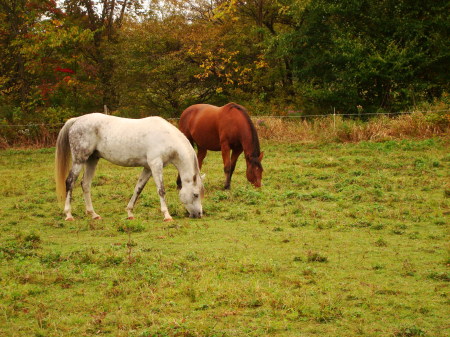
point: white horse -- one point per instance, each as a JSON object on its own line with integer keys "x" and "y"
{"x": 150, "y": 142}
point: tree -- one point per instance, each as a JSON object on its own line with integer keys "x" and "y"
{"x": 104, "y": 18}
{"x": 18, "y": 21}
{"x": 40, "y": 59}
{"x": 373, "y": 54}
{"x": 155, "y": 68}
{"x": 265, "y": 23}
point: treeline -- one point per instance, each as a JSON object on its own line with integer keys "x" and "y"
{"x": 139, "y": 58}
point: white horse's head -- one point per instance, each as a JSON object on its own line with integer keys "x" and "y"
{"x": 191, "y": 195}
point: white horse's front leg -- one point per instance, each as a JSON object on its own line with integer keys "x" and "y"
{"x": 86, "y": 186}
{"x": 70, "y": 183}
{"x": 157, "y": 170}
{"x": 145, "y": 175}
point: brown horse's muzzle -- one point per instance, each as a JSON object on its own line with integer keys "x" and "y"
{"x": 256, "y": 184}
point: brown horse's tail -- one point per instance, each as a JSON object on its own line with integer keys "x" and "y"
{"x": 62, "y": 159}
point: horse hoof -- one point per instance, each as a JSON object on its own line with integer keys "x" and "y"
{"x": 98, "y": 217}
{"x": 168, "y": 220}
{"x": 70, "y": 219}
{"x": 130, "y": 218}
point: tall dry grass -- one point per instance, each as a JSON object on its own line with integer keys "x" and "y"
{"x": 337, "y": 129}
{"x": 37, "y": 136}
{"x": 322, "y": 129}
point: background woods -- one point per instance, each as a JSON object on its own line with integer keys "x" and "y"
{"x": 65, "y": 58}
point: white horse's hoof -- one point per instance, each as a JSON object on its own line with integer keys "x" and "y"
{"x": 98, "y": 217}
{"x": 168, "y": 219}
{"x": 130, "y": 218}
{"x": 70, "y": 218}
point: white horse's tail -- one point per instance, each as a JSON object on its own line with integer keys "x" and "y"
{"x": 62, "y": 159}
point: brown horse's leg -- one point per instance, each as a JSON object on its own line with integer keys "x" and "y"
{"x": 234, "y": 157}
{"x": 200, "y": 156}
{"x": 226, "y": 164}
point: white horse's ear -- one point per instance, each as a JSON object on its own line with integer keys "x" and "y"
{"x": 203, "y": 176}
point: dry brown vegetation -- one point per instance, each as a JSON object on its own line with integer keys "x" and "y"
{"x": 35, "y": 136}
{"x": 337, "y": 129}
{"x": 325, "y": 129}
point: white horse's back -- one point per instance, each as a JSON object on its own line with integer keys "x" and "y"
{"x": 127, "y": 142}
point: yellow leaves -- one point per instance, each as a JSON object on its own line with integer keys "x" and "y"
{"x": 284, "y": 10}
{"x": 57, "y": 23}
{"x": 226, "y": 65}
{"x": 201, "y": 76}
{"x": 7, "y": 90}
{"x": 229, "y": 80}
{"x": 226, "y": 8}
{"x": 261, "y": 64}
{"x": 220, "y": 62}
{"x": 191, "y": 51}
{"x": 244, "y": 71}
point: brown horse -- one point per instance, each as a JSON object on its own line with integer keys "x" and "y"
{"x": 227, "y": 128}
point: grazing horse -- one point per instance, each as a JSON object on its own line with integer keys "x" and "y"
{"x": 150, "y": 143}
{"x": 227, "y": 128}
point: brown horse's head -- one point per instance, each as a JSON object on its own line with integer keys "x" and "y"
{"x": 254, "y": 169}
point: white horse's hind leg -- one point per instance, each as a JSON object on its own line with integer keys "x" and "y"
{"x": 91, "y": 164}
{"x": 70, "y": 182}
{"x": 157, "y": 170}
{"x": 145, "y": 176}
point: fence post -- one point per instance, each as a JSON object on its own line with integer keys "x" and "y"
{"x": 334, "y": 118}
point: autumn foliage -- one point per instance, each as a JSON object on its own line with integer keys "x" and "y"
{"x": 61, "y": 59}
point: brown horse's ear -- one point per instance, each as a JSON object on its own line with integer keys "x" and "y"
{"x": 261, "y": 156}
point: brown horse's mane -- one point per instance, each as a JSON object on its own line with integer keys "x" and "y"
{"x": 254, "y": 157}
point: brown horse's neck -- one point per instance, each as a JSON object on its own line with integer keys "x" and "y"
{"x": 251, "y": 147}
{"x": 249, "y": 139}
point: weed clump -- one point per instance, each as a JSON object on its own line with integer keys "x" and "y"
{"x": 111, "y": 261}
{"x": 52, "y": 259}
{"x": 439, "y": 276}
{"x": 380, "y": 243}
{"x": 409, "y": 332}
{"x": 316, "y": 257}
{"x": 131, "y": 228}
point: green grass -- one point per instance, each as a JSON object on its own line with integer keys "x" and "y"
{"x": 341, "y": 240}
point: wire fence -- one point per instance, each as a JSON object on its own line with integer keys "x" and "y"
{"x": 294, "y": 114}
{"x": 281, "y": 127}
{"x": 289, "y": 115}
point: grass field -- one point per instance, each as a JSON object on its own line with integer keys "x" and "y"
{"x": 341, "y": 240}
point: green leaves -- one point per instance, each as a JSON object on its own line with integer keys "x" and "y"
{"x": 381, "y": 50}
{"x": 358, "y": 56}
